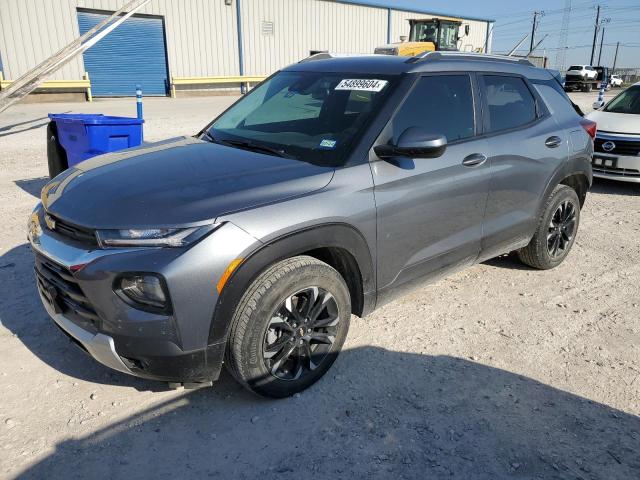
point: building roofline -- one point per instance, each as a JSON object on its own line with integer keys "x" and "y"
{"x": 388, "y": 4}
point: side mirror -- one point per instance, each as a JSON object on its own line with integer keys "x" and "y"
{"x": 597, "y": 105}
{"x": 414, "y": 143}
{"x": 403, "y": 38}
{"x": 466, "y": 30}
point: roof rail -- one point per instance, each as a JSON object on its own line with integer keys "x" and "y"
{"x": 326, "y": 55}
{"x": 468, "y": 56}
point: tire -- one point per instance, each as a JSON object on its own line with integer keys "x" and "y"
{"x": 540, "y": 253}
{"x": 263, "y": 322}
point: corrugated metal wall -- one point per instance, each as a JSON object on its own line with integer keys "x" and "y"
{"x": 477, "y": 29}
{"x": 303, "y": 25}
{"x": 202, "y": 34}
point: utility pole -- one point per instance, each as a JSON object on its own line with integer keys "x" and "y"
{"x": 601, "y": 44}
{"x": 595, "y": 35}
{"x": 615, "y": 59}
{"x": 533, "y": 30}
{"x": 561, "y": 51}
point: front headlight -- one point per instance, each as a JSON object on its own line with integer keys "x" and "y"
{"x": 153, "y": 237}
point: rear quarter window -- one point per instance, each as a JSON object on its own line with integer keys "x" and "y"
{"x": 557, "y": 103}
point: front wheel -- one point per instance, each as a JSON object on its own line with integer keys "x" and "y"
{"x": 556, "y": 232}
{"x": 289, "y": 327}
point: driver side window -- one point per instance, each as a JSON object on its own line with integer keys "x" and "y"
{"x": 440, "y": 105}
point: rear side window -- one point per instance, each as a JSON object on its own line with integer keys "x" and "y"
{"x": 441, "y": 105}
{"x": 509, "y": 101}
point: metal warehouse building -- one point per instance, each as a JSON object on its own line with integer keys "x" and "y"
{"x": 173, "y": 41}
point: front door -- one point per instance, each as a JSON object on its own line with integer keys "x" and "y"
{"x": 430, "y": 210}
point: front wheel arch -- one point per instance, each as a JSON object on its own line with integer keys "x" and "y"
{"x": 340, "y": 245}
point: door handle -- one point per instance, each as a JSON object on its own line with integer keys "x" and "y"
{"x": 474, "y": 160}
{"x": 553, "y": 142}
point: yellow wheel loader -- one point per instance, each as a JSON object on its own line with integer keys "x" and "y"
{"x": 427, "y": 35}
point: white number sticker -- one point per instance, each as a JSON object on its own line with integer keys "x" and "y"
{"x": 362, "y": 84}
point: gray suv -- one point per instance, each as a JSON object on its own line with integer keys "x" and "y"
{"x": 330, "y": 189}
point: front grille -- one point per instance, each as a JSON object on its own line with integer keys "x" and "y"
{"x": 622, "y": 147}
{"x": 84, "y": 235}
{"x": 624, "y": 172}
{"x": 63, "y": 293}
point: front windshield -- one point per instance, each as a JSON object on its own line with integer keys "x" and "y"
{"x": 627, "y": 102}
{"x": 310, "y": 116}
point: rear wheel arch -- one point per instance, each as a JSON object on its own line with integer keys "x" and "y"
{"x": 339, "y": 245}
{"x": 580, "y": 183}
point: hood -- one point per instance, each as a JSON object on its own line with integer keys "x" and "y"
{"x": 177, "y": 182}
{"x": 626, "y": 123}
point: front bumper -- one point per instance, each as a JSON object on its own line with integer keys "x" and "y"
{"x": 101, "y": 347}
{"x": 76, "y": 289}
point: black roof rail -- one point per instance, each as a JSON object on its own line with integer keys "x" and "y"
{"x": 468, "y": 56}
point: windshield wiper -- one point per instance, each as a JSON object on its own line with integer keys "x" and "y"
{"x": 255, "y": 147}
{"x": 206, "y": 135}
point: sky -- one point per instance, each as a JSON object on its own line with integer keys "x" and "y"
{"x": 514, "y": 20}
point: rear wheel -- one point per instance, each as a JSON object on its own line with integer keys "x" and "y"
{"x": 556, "y": 230}
{"x": 289, "y": 327}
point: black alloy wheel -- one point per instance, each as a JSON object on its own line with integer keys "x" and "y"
{"x": 300, "y": 333}
{"x": 561, "y": 229}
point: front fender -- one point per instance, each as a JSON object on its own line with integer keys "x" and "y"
{"x": 335, "y": 235}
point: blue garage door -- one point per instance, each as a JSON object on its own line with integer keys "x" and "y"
{"x": 134, "y": 53}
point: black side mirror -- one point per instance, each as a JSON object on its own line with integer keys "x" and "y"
{"x": 466, "y": 30}
{"x": 414, "y": 143}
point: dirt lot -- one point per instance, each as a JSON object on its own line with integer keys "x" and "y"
{"x": 496, "y": 372}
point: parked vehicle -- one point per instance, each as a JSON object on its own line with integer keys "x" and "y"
{"x": 617, "y": 144}
{"x": 616, "y": 81}
{"x": 330, "y": 189}
{"x": 427, "y": 35}
{"x": 583, "y": 71}
{"x": 585, "y": 77}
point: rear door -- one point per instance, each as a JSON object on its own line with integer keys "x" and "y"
{"x": 430, "y": 210}
{"x": 526, "y": 147}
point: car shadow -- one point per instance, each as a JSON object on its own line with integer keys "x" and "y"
{"x": 377, "y": 414}
{"x": 613, "y": 187}
{"x": 22, "y": 313}
{"x": 33, "y": 186}
{"x": 510, "y": 261}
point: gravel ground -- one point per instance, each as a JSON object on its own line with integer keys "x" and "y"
{"x": 495, "y": 372}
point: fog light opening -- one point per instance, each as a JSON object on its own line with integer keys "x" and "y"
{"x": 144, "y": 291}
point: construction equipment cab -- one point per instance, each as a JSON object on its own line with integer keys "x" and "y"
{"x": 427, "y": 35}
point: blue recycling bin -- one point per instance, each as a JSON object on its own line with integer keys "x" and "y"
{"x": 86, "y": 135}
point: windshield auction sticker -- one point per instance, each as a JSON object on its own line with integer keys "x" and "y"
{"x": 362, "y": 84}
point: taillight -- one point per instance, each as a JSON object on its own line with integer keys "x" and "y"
{"x": 590, "y": 127}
